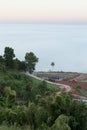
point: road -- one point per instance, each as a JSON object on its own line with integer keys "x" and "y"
{"x": 65, "y": 88}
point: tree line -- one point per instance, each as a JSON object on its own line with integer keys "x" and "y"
{"x": 9, "y": 61}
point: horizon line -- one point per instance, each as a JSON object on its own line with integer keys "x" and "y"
{"x": 42, "y": 22}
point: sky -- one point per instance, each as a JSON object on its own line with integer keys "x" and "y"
{"x": 66, "y": 45}
{"x": 67, "y": 57}
{"x": 43, "y": 11}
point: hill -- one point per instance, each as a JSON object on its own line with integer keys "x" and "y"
{"x": 22, "y": 83}
{"x": 29, "y": 104}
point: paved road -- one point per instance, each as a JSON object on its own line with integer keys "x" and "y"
{"x": 63, "y": 87}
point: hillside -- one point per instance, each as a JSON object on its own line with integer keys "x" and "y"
{"x": 77, "y": 81}
{"x": 20, "y": 83}
{"x": 29, "y": 104}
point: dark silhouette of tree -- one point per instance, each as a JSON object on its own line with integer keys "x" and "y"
{"x": 52, "y": 64}
{"x": 1, "y": 60}
{"x": 31, "y": 60}
{"x": 2, "y": 64}
{"x": 19, "y": 65}
{"x": 8, "y": 57}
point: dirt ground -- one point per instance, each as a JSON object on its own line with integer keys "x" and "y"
{"x": 74, "y": 84}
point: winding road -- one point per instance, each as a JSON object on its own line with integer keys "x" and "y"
{"x": 63, "y": 87}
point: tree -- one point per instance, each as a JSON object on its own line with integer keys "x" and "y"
{"x": 8, "y": 57}
{"x": 52, "y": 64}
{"x": 61, "y": 123}
{"x": 79, "y": 112}
{"x": 19, "y": 65}
{"x": 2, "y": 64}
{"x": 22, "y": 66}
{"x": 42, "y": 88}
{"x": 31, "y": 60}
{"x": 9, "y": 99}
{"x": 31, "y": 119}
{"x": 1, "y": 60}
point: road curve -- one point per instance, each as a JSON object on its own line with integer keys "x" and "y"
{"x": 65, "y": 88}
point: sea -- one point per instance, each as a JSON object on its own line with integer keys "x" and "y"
{"x": 63, "y": 44}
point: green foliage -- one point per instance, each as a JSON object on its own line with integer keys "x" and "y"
{"x": 7, "y": 61}
{"x": 47, "y": 115}
{"x": 61, "y": 123}
{"x": 2, "y": 66}
{"x": 16, "y": 81}
{"x": 1, "y": 59}
{"x": 42, "y": 88}
{"x": 9, "y": 99}
{"x": 31, "y": 61}
{"x": 25, "y": 101}
{"x": 52, "y": 88}
{"x": 8, "y": 57}
{"x": 31, "y": 116}
{"x": 2, "y": 115}
{"x": 13, "y": 127}
{"x": 79, "y": 114}
{"x": 20, "y": 65}
{"x": 26, "y": 88}
{"x": 59, "y": 105}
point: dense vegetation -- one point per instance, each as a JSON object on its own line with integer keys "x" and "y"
{"x": 28, "y": 104}
{"x": 24, "y": 106}
{"x": 9, "y": 61}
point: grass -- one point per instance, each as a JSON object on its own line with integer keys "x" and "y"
{"x": 16, "y": 81}
{"x": 49, "y": 86}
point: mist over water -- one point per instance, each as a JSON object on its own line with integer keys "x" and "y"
{"x": 64, "y": 44}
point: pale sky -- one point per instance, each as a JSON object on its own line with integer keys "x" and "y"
{"x": 67, "y": 44}
{"x": 64, "y": 44}
{"x": 43, "y": 10}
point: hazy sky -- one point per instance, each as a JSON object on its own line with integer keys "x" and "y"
{"x": 43, "y": 10}
{"x": 66, "y": 45}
